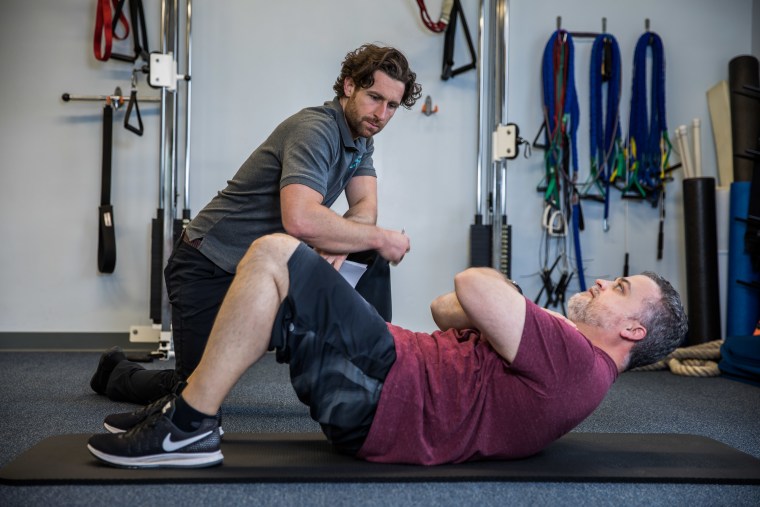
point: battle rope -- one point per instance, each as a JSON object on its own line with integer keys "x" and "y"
{"x": 604, "y": 124}
{"x": 694, "y": 361}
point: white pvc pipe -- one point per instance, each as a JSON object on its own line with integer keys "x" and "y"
{"x": 696, "y": 132}
{"x": 683, "y": 147}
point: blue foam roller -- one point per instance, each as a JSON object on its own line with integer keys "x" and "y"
{"x": 743, "y": 302}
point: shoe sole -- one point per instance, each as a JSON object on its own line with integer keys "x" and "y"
{"x": 114, "y": 429}
{"x": 164, "y": 460}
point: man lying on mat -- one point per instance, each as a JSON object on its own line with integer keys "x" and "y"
{"x": 501, "y": 379}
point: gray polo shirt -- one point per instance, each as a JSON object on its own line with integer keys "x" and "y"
{"x": 313, "y": 147}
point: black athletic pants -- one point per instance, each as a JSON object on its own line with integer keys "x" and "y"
{"x": 196, "y": 288}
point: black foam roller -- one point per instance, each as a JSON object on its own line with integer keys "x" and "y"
{"x": 744, "y": 71}
{"x": 701, "y": 238}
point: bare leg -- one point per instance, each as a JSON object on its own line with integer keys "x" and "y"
{"x": 242, "y": 329}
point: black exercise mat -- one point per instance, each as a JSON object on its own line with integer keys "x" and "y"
{"x": 299, "y": 457}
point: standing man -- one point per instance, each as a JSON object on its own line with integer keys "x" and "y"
{"x": 287, "y": 185}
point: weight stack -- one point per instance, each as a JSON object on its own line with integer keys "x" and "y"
{"x": 702, "y": 285}
{"x": 480, "y": 243}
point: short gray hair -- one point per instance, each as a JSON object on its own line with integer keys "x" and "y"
{"x": 666, "y": 324}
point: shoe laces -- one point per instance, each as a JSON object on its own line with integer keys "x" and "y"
{"x": 149, "y": 422}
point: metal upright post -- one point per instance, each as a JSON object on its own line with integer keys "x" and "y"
{"x": 188, "y": 89}
{"x": 167, "y": 184}
{"x": 480, "y": 231}
{"x": 501, "y": 229}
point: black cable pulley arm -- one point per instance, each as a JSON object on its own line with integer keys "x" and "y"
{"x": 448, "y": 45}
{"x": 140, "y": 36}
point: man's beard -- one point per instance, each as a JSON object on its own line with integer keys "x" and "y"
{"x": 356, "y": 122}
{"x": 582, "y": 309}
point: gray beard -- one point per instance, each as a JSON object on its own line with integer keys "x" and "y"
{"x": 580, "y": 310}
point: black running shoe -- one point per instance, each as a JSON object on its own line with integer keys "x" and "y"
{"x": 125, "y": 421}
{"x": 107, "y": 363}
{"x": 158, "y": 443}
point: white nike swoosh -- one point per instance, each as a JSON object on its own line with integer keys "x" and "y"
{"x": 170, "y": 445}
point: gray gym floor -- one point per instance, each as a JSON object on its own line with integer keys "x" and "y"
{"x": 47, "y": 393}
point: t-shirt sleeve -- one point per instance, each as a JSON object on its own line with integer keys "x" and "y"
{"x": 551, "y": 350}
{"x": 307, "y": 152}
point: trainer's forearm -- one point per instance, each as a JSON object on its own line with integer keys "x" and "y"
{"x": 326, "y": 230}
{"x": 363, "y": 212}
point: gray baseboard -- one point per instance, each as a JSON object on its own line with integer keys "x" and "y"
{"x": 69, "y": 341}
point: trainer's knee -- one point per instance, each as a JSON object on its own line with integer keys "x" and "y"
{"x": 271, "y": 250}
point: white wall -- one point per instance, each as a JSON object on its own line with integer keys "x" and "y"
{"x": 257, "y": 62}
{"x": 699, "y": 37}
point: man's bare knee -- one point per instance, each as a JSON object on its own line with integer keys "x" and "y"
{"x": 269, "y": 252}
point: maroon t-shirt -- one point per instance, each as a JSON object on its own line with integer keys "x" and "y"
{"x": 449, "y": 397}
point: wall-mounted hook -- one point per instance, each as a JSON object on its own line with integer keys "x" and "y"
{"x": 428, "y": 108}
{"x": 646, "y": 24}
{"x": 116, "y": 100}
{"x": 559, "y": 22}
{"x": 604, "y": 25}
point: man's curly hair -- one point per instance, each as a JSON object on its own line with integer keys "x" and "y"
{"x": 360, "y": 65}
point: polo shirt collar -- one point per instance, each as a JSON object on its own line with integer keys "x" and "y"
{"x": 345, "y": 132}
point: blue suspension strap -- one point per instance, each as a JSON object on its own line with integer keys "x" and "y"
{"x": 561, "y": 111}
{"x": 648, "y": 141}
{"x": 604, "y": 124}
{"x": 649, "y": 144}
{"x": 561, "y": 117}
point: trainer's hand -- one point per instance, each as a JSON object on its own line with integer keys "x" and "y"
{"x": 396, "y": 245}
{"x": 336, "y": 260}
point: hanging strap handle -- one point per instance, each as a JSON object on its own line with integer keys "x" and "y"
{"x": 103, "y": 33}
{"x": 440, "y": 25}
{"x": 448, "y": 44}
{"x": 133, "y": 104}
{"x": 105, "y": 28}
{"x": 106, "y": 236}
{"x": 140, "y": 36}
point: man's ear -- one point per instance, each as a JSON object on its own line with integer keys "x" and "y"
{"x": 348, "y": 86}
{"x": 633, "y": 330}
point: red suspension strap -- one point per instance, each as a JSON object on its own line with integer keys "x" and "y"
{"x": 433, "y": 26}
{"x": 105, "y": 28}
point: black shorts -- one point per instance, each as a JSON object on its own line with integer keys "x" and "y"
{"x": 338, "y": 347}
